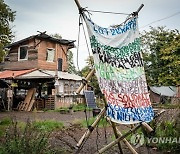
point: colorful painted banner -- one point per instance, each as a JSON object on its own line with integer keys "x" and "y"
{"x": 120, "y": 72}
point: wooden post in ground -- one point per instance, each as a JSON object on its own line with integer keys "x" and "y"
{"x": 116, "y": 135}
{"x": 89, "y": 131}
{"x": 124, "y": 140}
{"x": 118, "y": 139}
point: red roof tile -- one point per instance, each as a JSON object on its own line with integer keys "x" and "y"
{"x": 8, "y": 74}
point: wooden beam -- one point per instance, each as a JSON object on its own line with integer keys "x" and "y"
{"x": 86, "y": 79}
{"x": 118, "y": 139}
{"x": 88, "y": 132}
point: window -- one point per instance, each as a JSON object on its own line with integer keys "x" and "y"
{"x": 50, "y": 55}
{"x": 23, "y": 53}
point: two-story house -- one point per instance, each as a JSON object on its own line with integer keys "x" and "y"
{"x": 38, "y": 62}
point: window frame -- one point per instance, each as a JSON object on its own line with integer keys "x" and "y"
{"x": 26, "y": 58}
{"x": 47, "y": 55}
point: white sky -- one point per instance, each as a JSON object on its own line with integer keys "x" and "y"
{"x": 61, "y": 16}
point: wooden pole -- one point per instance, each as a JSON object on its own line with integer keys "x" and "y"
{"x": 118, "y": 139}
{"x": 88, "y": 132}
{"x": 86, "y": 79}
{"x": 124, "y": 140}
{"x": 78, "y": 5}
{"x": 114, "y": 129}
{"x": 127, "y": 143}
{"x": 116, "y": 135}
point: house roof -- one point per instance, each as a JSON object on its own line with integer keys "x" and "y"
{"x": 8, "y": 74}
{"x": 44, "y": 36}
{"x": 164, "y": 90}
{"x": 64, "y": 75}
{"x": 38, "y": 74}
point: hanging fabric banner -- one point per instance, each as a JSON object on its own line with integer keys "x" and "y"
{"x": 120, "y": 72}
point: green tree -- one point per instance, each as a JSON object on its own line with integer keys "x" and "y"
{"x": 93, "y": 81}
{"x": 71, "y": 66}
{"x": 161, "y": 51}
{"x": 7, "y": 16}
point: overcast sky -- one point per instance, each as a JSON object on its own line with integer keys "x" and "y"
{"x": 61, "y": 16}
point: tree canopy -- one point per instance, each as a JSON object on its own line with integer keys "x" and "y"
{"x": 161, "y": 51}
{"x": 7, "y": 16}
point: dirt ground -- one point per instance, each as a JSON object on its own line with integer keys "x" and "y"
{"x": 67, "y": 138}
{"x": 22, "y": 116}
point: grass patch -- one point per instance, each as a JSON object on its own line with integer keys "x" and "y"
{"x": 48, "y": 125}
{"x": 81, "y": 107}
{"x": 102, "y": 122}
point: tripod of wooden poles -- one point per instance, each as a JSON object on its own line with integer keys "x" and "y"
{"x": 119, "y": 136}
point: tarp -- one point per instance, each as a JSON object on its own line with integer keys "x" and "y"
{"x": 164, "y": 90}
{"x": 120, "y": 72}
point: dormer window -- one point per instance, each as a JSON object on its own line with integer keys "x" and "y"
{"x": 23, "y": 53}
{"x": 50, "y": 55}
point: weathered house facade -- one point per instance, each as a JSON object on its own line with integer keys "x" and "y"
{"x": 32, "y": 68}
{"x": 38, "y": 51}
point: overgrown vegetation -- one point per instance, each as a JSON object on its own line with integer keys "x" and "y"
{"x": 28, "y": 140}
{"x": 171, "y": 131}
{"x": 30, "y": 137}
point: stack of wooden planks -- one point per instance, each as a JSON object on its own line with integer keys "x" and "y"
{"x": 29, "y": 101}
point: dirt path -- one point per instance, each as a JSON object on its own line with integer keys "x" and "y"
{"x": 67, "y": 119}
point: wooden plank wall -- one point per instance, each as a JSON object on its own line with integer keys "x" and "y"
{"x": 37, "y": 56}
{"x": 20, "y": 65}
{"x": 13, "y": 64}
{"x": 43, "y": 64}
